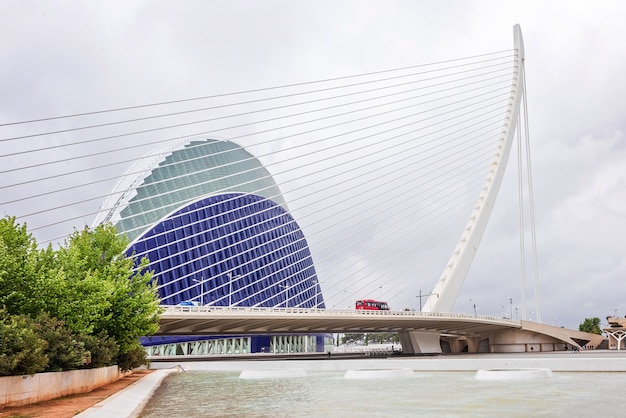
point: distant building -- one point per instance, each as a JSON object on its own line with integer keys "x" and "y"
{"x": 616, "y": 332}
{"x": 215, "y": 227}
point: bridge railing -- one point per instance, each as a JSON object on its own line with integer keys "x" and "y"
{"x": 329, "y": 312}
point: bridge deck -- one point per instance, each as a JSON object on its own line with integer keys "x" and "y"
{"x": 213, "y": 320}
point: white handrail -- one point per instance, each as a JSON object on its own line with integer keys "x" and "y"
{"x": 329, "y": 312}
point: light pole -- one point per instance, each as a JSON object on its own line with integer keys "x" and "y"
{"x": 230, "y": 287}
{"x": 315, "y": 289}
{"x": 201, "y": 281}
{"x": 425, "y": 295}
{"x": 286, "y": 287}
{"x": 475, "y": 312}
{"x": 511, "y": 304}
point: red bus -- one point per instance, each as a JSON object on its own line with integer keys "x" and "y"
{"x": 372, "y": 305}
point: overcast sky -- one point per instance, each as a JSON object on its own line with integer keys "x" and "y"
{"x": 63, "y": 57}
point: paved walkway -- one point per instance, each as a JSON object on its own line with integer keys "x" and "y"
{"x": 130, "y": 401}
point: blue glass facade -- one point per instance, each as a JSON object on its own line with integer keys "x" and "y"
{"x": 231, "y": 250}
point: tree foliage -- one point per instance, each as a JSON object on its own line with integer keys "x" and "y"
{"x": 22, "y": 350}
{"x": 103, "y": 349}
{"x": 86, "y": 296}
{"x": 591, "y": 325}
{"x": 371, "y": 337}
{"x": 65, "y": 349}
{"x": 118, "y": 299}
{"x": 19, "y": 265}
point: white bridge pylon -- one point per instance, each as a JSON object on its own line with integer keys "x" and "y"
{"x": 446, "y": 290}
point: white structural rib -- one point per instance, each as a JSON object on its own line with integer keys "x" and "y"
{"x": 126, "y": 187}
{"x": 444, "y": 294}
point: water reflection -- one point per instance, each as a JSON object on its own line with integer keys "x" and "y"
{"x": 329, "y": 394}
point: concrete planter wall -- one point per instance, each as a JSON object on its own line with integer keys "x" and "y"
{"x": 27, "y": 389}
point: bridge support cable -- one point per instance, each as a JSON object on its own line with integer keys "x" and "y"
{"x": 524, "y": 166}
{"x": 194, "y": 99}
{"x": 30, "y": 214}
{"x": 522, "y": 229}
{"x": 456, "y": 270}
{"x": 377, "y": 171}
{"x": 531, "y": 203}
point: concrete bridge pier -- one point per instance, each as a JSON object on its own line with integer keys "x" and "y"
{"x": 420, "y": 342}
{"x": 473, "y": 344}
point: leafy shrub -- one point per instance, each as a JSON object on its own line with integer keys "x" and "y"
{"x": 22, "y": 350}
{"x": 133, "y": 358}
{"x": 102, "y": 349}
{"x": 65, "y": 350}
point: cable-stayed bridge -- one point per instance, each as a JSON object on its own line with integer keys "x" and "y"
{"x": 420, "y": 332}
{"x": 306, "y": 196}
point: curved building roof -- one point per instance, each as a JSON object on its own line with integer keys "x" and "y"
{"x": 171, "y": 176}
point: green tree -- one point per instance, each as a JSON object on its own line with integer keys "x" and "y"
{"x": 353, "y": 338}
{"x": 133, "y": 358}
{"x": 102, "y": 349}
{"x": 123, "y": 300}
{"x": 65, "y": 350}
{"x": 22, "y": 350}
{"x": 95, "y": 300}
{"x": 19, "y": 264}
{"x": 591, "y": 325}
